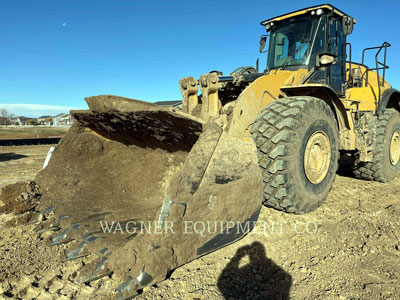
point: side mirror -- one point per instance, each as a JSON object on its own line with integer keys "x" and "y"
{"x": 347, "y": 25}
{"x": 263, "y": 42}
{"x": 325, "y": 60}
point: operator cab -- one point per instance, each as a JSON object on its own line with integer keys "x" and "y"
{"x": 298, "y": 39}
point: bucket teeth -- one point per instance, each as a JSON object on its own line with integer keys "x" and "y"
{"x": 81, "y": 250}
{"x": 76, "y": 226}
{"x": 59, "y": 218}
{"x": 94, "y": 218}
{"x": 98, "y": 276}
{"x": 93, "y": 271}
{"x": 103, "y": 251}
{"x": 144, "y": 278}
{"x": 47, "y": 229}
{"x": 88, "y": 235}
{"x": 76, "y": 253}
{"x": 129, "y": 287}
{"x": 60, "y": 238}
{"x": 46, "y": 223}
{"x": 37, "y": 218}
{"x": 93, "y": 238}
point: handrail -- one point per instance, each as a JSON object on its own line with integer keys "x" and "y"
{"x": 383, "y": 65}
{"x": 350, "y": 63}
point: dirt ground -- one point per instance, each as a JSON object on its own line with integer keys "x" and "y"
{"x": 347, "y": 249}
{"x": 20, "y": 163}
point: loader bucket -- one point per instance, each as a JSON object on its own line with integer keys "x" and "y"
{"x": 142, "y": 190}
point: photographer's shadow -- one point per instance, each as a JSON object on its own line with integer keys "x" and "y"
{"x": 261, "y": 278}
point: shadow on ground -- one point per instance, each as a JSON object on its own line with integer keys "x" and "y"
{"x": 261, "y": 278}
{"x": 345, "y": 166}
{"x": 10, "y": 156}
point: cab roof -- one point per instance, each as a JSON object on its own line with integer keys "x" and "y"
{"x": 329, "y": 7}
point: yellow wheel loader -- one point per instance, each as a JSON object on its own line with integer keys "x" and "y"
{"x": 137, "y": 190}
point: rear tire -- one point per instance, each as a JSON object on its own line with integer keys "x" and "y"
{"x": 385, "y": 165}
{"x": 297, "y": 142}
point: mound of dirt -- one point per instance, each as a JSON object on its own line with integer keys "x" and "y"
{"x": 20, "y": 197}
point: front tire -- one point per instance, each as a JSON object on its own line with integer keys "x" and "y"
{"x": 298, "y": 150}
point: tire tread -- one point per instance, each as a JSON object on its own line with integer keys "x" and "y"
{"x": 273, "y": 131}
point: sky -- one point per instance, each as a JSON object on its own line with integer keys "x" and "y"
{"x": 57, "y": 52}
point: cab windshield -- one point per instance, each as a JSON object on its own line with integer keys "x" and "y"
{"x": 291, "y": 43}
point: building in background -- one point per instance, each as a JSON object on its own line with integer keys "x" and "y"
{"x": 21, "y": 121}
{"x": 63, "y": 120}
{"x": 45, "y": 120}
{"x": 16, "y": 121}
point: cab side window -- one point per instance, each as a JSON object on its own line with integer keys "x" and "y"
{"x": 337, "y": 44}
{"x": 281, "y": 49}
{"x": 318, "y": 48}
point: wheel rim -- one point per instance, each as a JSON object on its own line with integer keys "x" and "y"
{"x": 395, "y": 148}
{"x": 317, "y": 157}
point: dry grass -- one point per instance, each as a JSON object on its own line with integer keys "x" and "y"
{"x": 7, "y": 133}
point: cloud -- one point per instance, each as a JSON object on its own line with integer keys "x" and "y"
{"x": 37, "y": 110}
